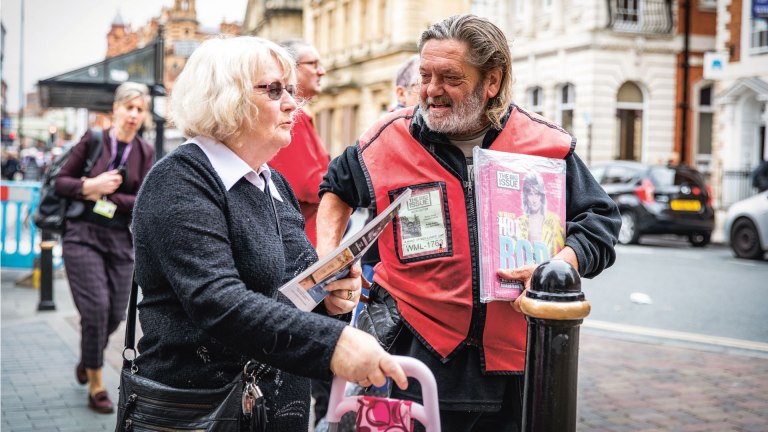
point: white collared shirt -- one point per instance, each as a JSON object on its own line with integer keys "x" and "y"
{"x": 231, "y": 168}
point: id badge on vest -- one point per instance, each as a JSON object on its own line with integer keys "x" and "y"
{"x": 105, "y": 208}
{"x": 420, "y": 226}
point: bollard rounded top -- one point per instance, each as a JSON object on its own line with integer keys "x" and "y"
{"x": 556, "y": 280}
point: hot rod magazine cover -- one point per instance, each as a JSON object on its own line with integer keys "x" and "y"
{"x": 521, "y": 215}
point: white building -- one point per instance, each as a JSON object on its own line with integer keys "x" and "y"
{"x": 741, "y": 95}
{"x": 607, "y": 70}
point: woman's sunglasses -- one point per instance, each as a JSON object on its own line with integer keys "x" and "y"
{"x": 275, "y": 90}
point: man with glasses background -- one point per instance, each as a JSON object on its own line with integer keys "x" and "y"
{"x": 304, "y": 162}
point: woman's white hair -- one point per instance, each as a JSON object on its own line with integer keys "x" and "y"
{"x": 212, "y": 95}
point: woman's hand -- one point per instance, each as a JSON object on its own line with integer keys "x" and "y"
{"x": 358, "y": 358}
{"x": 344, "y": 294}
{"x": 105, "y": 183}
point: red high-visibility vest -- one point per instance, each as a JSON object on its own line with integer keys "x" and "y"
{"x": 425, "y": 254}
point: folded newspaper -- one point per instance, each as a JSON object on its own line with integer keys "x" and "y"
{"x": 307, "y": 289}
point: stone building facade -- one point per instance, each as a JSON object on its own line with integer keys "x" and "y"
{"x": 740, "y": 73}
{"x": 181, "y": 35}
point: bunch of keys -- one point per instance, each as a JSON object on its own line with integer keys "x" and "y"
{"x": 253, "y": 405}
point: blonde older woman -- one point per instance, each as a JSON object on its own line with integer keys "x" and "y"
{"x": 217, "y": 232}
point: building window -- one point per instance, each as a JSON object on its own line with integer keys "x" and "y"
{"x": 565, "y": 107}
{"x": 707, "y": 4}
{"x": 628, "y": 15}
{"x": 629, "y": 122}
{"x": 536, "y": 100}
{"x": 349, "y": 125}
{"x": 704, "y": 117}
{"x": 325, "y": 126}
{"x": 758, "y": 39}
{"x": 519, "y": 8}
{"x": 481, "y": 8}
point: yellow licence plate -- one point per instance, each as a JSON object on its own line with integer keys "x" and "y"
{"x": 685, "y": 205}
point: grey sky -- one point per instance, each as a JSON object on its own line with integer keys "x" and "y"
{"x": 62, "y": 35}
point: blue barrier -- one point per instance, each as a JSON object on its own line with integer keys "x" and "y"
{"x": 19, "y": 236}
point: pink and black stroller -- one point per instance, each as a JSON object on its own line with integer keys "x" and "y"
{"x": 376, "y": 414}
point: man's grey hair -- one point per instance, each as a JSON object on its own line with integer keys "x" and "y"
{"x": 295, "y": 47}
{"x": 487, "y": 50}
{"x": 408, "y": 74}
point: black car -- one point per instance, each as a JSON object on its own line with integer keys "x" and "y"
{"x": 658, "y": 199}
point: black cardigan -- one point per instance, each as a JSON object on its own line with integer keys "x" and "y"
{"x": 209, "y": 262}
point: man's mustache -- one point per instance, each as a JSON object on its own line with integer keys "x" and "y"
{"x": 440, "y": 100}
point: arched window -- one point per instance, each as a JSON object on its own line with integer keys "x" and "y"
{"x": 704, "y": 115}
{"x": 536, "y": 100}
{"x": 565, "y": 106}
{"x": 629, "y": 122}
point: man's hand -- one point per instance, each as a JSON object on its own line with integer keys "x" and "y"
{"x": 358, "y": 358}
{"x": 523, "y": 274}
{"x": 332, "y": 218}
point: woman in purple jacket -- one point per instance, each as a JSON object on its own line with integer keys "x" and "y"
{"x": 97, "y": 245}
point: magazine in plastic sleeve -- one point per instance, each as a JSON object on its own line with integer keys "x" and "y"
{"x": 306, "y": 290}
{"x": 520, "y": 203}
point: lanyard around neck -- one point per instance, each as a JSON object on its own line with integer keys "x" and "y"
{"x": 113, "y": 146}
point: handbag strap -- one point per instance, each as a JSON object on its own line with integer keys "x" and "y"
{"x": 130, "y": 325}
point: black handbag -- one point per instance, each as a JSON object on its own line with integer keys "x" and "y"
{"x": 53, "y": 210}
{"x": 381, "y": 318}
{"x": 147, "y": 405}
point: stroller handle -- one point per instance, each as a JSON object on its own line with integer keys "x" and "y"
{"x": 427, "y": 414}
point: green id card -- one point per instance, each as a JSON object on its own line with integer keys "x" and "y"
{"x": 105, "y": 208}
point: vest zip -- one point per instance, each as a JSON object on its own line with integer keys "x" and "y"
{"x": 475, "y": 335}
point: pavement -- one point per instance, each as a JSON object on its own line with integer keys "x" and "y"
{"x": 627, "y": 381}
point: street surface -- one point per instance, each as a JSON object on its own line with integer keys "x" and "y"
{"x": 698, "y": 291}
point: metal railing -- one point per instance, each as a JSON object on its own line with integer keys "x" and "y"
{"x": 641, "y": 16}
{"x": 736, "y": 186}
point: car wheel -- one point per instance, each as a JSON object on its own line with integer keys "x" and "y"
{"x": 628, "y": 234}
{"x": 699, "y": 239}
{"x": 744, "y": 240}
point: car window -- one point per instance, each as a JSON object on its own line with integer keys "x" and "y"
{"x": 665, "y": 176}
{"x": 597, "y": 172}
{"x": 620, "y": 175}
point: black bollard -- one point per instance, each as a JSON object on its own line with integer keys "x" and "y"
{"x": 554, "y": 307}
{"x": 46, "y": 273}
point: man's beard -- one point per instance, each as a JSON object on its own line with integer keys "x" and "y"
{"x": 464, "y": 118}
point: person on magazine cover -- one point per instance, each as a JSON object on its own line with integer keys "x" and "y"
{"x": 217, "y": 232}
{"x": 305, "y": 160}
{"x": 538, "y": 225}
{"x": 424, "y": 301}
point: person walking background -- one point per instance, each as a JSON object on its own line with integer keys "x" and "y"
{"x": 304, "y": 162}
{"x": 424, "y": 302}
{"x": 97, "y": 246}
{"x": 217, "y": 232}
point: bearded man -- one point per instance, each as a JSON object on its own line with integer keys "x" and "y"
{"x": 425, "y": 302}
